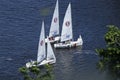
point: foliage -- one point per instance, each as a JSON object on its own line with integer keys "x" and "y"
{"x": 111, "y": 54}
{"x": 37, "y": 73}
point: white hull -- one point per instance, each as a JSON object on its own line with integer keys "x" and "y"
{"x": 70, "y": 44}
{"x": 46, "y": 62}
{"x": 33, "y": 63}
{"x": 53, "y": 39}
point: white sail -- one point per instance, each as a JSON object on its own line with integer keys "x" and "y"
{"x": 41, "y": 46}
{"x": 50, "y": 53}
{"x": 54, "y": 28}
{"x": 67, "y": 25}
{"x": 42, "y": 57}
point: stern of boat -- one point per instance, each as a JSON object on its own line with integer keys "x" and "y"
{"x": 79, "y": 40}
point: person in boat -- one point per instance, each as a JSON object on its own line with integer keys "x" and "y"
{"x": 51, "y": 38}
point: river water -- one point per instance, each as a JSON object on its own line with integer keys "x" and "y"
{"x": 20, "y": 24}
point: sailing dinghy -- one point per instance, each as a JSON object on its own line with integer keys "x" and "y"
{"x": 43, "y": 57}
{"x": 54, "y": 28}
{"x": 66, "y": 34}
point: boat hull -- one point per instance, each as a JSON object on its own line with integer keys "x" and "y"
{"x": 46, "y": 62}
{"x": 53, "y": 39}
{"x": 71, "y": 44}
{"x": 33, "y": 63}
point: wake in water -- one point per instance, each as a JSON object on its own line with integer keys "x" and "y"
{"x": 86, "y": 52}
{"x": 6, "y": 59}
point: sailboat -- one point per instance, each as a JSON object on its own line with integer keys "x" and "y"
{"x": 66, "y": 34}
{"x": 43, "y": 57}
{"x": 54, "y": 28}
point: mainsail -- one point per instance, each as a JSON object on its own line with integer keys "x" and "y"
{"x": 67, "y": 26}
{"x": 41, "y": 46}
{"x": 54, "y": 28}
